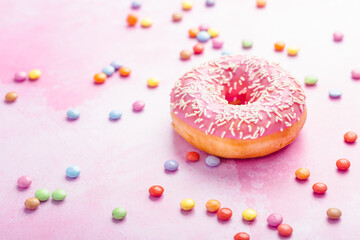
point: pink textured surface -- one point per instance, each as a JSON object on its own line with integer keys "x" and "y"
{"x": 72, "y": 40}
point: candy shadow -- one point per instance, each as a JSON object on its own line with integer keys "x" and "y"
{"x": 20, "y": 189}
{"x": 317, "y": 195}
{"x": 341, "y": 172}
{"x": 301, "y": 181}
{"x": 210, "y": 214}
{"x": 271, "y": 227}
{"x": 187, "y": 213}
{"x": 333, "y": 221}
{"x": 155, "y": 199}
{"x": 30, "y": 211}
{"x": 249, "y": 222}
{"x": 118, "y": 221}
{"x": 114, "y": 120}
{"x": 335, "y": 99}
{"x": 70, "y": 120}
{"x": 170, "y": 172}
{"x": 53, "y": 201}
{"x": 71, "y": 179}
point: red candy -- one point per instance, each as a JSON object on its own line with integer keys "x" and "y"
{"x": 350, "y": 137}
{"x": 242, "y": 236}
{"x": 319, "y": 188}
{"x": 343, "y": 164}
{"x": 192, "y": 156}
{"x": 285, "y": 230}
{"x": 156, "y": 190}
{"x": 198, "y": 48}
{"x": 224, "y": 214}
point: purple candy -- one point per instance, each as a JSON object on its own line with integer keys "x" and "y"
{"x": 338, "y": 36}
{"x": 203, "y": 27}
{"x": 274, "y": 220}
{"x": 217, "y": 43}
{"x": 138, "y": 106}
{"x": 20, "y": 76}
{"x": 355, "y": 74}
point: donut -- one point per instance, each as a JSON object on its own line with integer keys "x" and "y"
{"x": 238, "y": 107}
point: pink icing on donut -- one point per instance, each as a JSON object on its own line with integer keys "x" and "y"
{"x": 238, "y": 97}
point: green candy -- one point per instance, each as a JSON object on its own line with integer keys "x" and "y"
{"x": 42, "y": 194}
{"x": 59, "y": 195}
{"x": 119, "y": 213}
{"x": 311, "y": 79}
{"x": 246, "y": 43}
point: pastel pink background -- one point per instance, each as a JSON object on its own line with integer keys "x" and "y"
{"x": 72, "y": 40}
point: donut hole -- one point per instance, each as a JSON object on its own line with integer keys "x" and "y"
{"x": 240, "y": 96}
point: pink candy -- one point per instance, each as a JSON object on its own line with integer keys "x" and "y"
{"x": 355, "y": 74}
{"x": 138, "y": 106}
{"x": 203, "y": 27}
{"x": 20, "y": 76}
{"x": 274, "y": 219}
{"x": 338, "y": 36}
{"x": 24, "y": 181}
{"x": 217, "y": 43}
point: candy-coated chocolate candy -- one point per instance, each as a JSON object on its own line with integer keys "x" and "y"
{"x": 335, "y": 93}
{"x": 59, "y": 195}
{"x": 242, "y": 236}
{"x": 24, "y": 181}
{"x": 224, "y": 214}
{"x": 146, "y": 22}
{"x": 203, "y": 27}
{"x": 32, "y": 203}
{"x": 187, "y": 204}
{"x": 108, "y": 70}
{"x": 132, "y": 19}
{"x": 355, "y": 74}
{"x": 11, "y": 96}
{"x": 285, "y": 230}
{"x": 249, "y": 214}
{"x": 193, "y": 32}
{"x": 279, "y": 46}
{"x": 156, "y": 190}
{"x": 20, "y": 76}
{"x": 343, "y": 164}
{"x": 100, "y": 78}
{"x": 198, "y": 48}
{"x": 135, "y": 4}
{"x": 338, "y": 36}
{"x": 293, "y": 50}
{"x": 116, "y": 64}
{"x": 319, "y": 188}
{"x": 311, "y": 79}
{"x": 42, "y": 194}
{"x": 213, "y": 205}
{"x": 153, "y": 82}
{"x": 212, "y": 161}
{"x": 73, "y": 171}
{"x": 302, "y": 173}
{"x": 226, "y": 52}
{"x": 124, "y": 71}
{"x": 210, "y": 3}
{"x": 34, "y": 74}
{"x": 274, "y": 220}
{"x": 138, "y": 106}
{"x": 177, "y": 17}
{"x": 260, "y": 3}
{"x": 217, "y": 43}
{"x": 333, "y": 213}
{"x": 171, "y": 165}
{"x": 214, "y": 32}
{"x": 187, "y": 5}
{"x": 119, "y": 213}
{"x": 203, "y": 36}
{"x": 192, "y": 156}
{"x": 115, "y": 114}
{"x": 185, "y": 54}
{"x": 73, "y": 114}
{"x": 247, "y": 43}
{"x": 350, "y": 137}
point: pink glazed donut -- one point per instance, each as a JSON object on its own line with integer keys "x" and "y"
{"x": 238, "y": 107}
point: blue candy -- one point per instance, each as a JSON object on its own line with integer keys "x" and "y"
{"x": 334, "y": 93}
{"x": 73, "y": 171}
{"x": 73, "y": 114}
{"x": 226, "y": 52}
{"x": 116, "y": 64}
{"x": 203, "y": 36}
{"x": 108, "y": 70}
{"x": 136, "y": 4}
{"x": 171, "y": 165}
{"x": 210, "y": 3}
{"x": 212, "y": 161}
{"x": 115, "y": 114}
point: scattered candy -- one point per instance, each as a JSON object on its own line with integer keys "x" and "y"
{"x": 334, "y": 93}
{"x": 124, "y": 71}
{"x": 42, "y": 194}
{"x": 213, "y": 205}
{"x": 156, "y": 190}
{"x": 20, "y": 76}
{"x": 302, "y": 173}
{"x": 116, "y": 64}
{"x": 136, "y": 4}
{"x": 285, "y": 230}
{"x": 355, "y": 74}
{"x": 217, "y": 43}
{"x": 224, "y": 214}
{"x": 171, "y": 165}
{"x": 115, "y": 114}
{"x": 73, "y": 171}
{"x": 198, "y": 48}
{"x": 177, "y": 17}
{"x": 203, "y": 36}
{"x": 319, "y": 188}
{"x": 100, "y": 78}
{"x": 350, "y": 137}
{"x": 279, "y": 46}
{"x": 343, "y": 164}
{"x": 73, "y": 114}
{"x": 187, "y": 204}
{"x": 138, "y": 106}
{"x": 274, "y": 220}
{"x": 153, "y": 82}
{"x": 249, "y": 214}
{"x": 338, "y": 36}
{"x": 192, "y": 156}
{"x": 203, "y": 27}
{"x": 293, "y": 51}
{"x": 185, "y": 54}
{"x": 210, "y": 3}
{"x": 119, "y": 213}
{"x": 132, "y": 19}
{"x": 34, "y": 74}
{"x": 311, "y": 79}
{"x": 193, "y": 32}
{"x": 146, "y": 22}
{"x": 260, "y": 3}
{"x": 214, "y": 32}
{"x": 333, "y": 213}
{"x": 59, "y": 195}
{"x": 11, "y": 96}
{"x": 247, "y": 43}
{"x": 24, "y": 181}
{"x": 32, "y": 203}
{"x": 212, "y": 161}
{"x": 187, "y": 5}
{"x": 242, "y": 236}
{"x": 108, "y": 70}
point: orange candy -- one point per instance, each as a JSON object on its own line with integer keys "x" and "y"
{"x": 100, "y": 78}
{"x": 260, "y": 3}
{"x": 124, "y": 71}
{"x": 213, "y": 205}
{"x": 132, "y": 19}
{"x": 193, "y": 32}
{"x": 11, "y": 96}
{"x": 192, "y": 156}
{"x": 302, "y": 173}
{"x": 350, "y": 137}
{"x": 279, "y": 46}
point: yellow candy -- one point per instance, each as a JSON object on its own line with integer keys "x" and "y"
{"x": 187, "y": 4}
{"x": 146, "y": 22}
{"x": 249, "y": 214}
{"x": 292, "y": 51}
{"x": 214, "y": 32}
{"x": 187, "y": 204}
{"x": 34, "y": 74}
{"x": 153, "y": 82}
